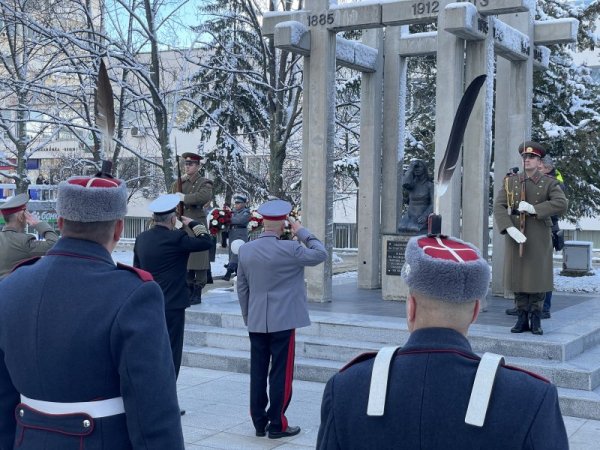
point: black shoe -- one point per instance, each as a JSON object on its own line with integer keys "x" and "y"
{"x": 522, "y": 323}
{"x": 546, "y": 314}
{"x": 182, "y": 412}
{"x": 512, "y": 311}
{"x": 289, "y": 431}
{"x": 536, "y": 326}
{"x": 196, "y": 298}
{"x": 263, "y": 432}
{"x": 227, "y": 275}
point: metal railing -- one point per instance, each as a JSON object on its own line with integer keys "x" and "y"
{"x": 345, "y": 235}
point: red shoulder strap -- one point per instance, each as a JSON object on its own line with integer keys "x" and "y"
{"x": 142, "y": 274}
{"x": 358, "y": 359}
{"x": 26, "y": 262}
{"x": 533, "y": 374}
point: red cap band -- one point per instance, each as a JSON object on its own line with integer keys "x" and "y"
{"x": 9, "y": 211}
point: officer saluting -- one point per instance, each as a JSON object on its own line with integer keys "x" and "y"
{"x": 15, "y": 244}
{"x": 163, "y": 251}
{"x": 272, "y": 297}
{"x": 434, "y": 392}
{"x": 85, "y": 360}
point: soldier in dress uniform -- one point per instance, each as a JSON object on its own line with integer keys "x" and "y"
{"x": 272, "y": 297}
{"x": 196, "y": 191}
{"x": 528, "y": 268}
{"x": 15, "y": 244}
{"x": 238, "y": 229}
{"x": 435, "y": 392}
{"x": 85, "y": 360}
{"x": 163, "y": 251}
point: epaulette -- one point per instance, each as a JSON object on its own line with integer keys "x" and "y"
{"x": 533, "y": 374}
{"x": 26, "y": 262}
{"x": 142, "y": 274}
{"x": 359, "y": 358}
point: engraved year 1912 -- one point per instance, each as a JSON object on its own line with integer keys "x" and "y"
{"x": 426, "y": 8}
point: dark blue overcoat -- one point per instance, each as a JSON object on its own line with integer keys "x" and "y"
{"x": 164, "y": 253}
{"x": 429, "y": 388}
{"x": 76, "y": 328}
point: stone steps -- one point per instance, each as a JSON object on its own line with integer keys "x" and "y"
{"x": 582, "y": 372}
{"x": 569, "y": 355}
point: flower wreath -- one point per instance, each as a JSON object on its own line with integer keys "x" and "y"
{"x": 219, "y": 219}
{"x": 256, "y": 221}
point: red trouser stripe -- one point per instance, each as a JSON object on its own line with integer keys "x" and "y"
{"x": 289, "y": 377}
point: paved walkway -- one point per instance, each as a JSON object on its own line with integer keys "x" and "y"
{"x": 217, "y": 402}
{"x": 217, "y": 414}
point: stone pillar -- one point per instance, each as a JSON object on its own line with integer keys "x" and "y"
{"x": 477, "y": 146}
{"x": 369, "y": 211}
{"x": 514, "y": 93}
{"x": 394, "y": 122}
{"x": 394, "y": 105}
{"x": 449, "y": 90}
{"x": 317, "y": 147}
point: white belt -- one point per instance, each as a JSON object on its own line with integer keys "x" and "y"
{"x": 97, "y": 409}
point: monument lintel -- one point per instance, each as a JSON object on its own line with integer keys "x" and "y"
{"x": 295, "y": 37}
{"x": 418, "y": 44}
{"x": 509, "y": 42}
{"x": 272, "y": 18}
{"x": 555, "y": 31}
{"x": 541, "y": 57}
{"x": 463, "y": 20}
{"x": 292, "y": 36}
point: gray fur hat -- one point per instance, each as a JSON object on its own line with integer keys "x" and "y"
{"x": 445, "y": 269}
{"x": 92, "y": 199}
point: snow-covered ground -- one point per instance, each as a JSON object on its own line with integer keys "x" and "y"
{"x": 588, "y": 284}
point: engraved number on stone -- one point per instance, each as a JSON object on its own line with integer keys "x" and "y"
{"x": 425, "y": 7}
{"x": 320, "y": 19}
{"x": 480, "y": 2}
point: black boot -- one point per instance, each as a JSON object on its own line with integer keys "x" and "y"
{"x": 536, "y": 323}
{"x": 196, "y": 298}
{"x": 227, "y": 275}
{"x": 512, "y": 311}
{"x": 522, "y": 323}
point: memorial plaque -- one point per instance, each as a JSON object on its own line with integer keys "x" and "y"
{"x": 394, "y": 257}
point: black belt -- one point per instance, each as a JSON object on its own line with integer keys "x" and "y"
{"x": 239, "y": 226}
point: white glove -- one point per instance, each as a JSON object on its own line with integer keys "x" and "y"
{"x": 516, "y": 235}
{"x": 526, "y": 207}
{"x": 181, "y": 196}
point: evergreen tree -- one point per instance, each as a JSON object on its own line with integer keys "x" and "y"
{"x": 242, "y": 97}
{"x": 566, "y": 111}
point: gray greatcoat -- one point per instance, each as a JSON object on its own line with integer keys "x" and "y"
{"x": 198, "y": 192}
{"x": 270, "y": 281}
{"x": 16, "y": 246}
{"x": 238, "y": 229}
{"x": 533, "y": 272}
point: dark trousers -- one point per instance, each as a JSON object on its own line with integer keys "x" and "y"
{"x": 277, "y": 348}
{"x": 530, "y": 301}
{"x": 548, "y": 301}
{"x": 175, "y": 327}
{"x": 196, "y": 278}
